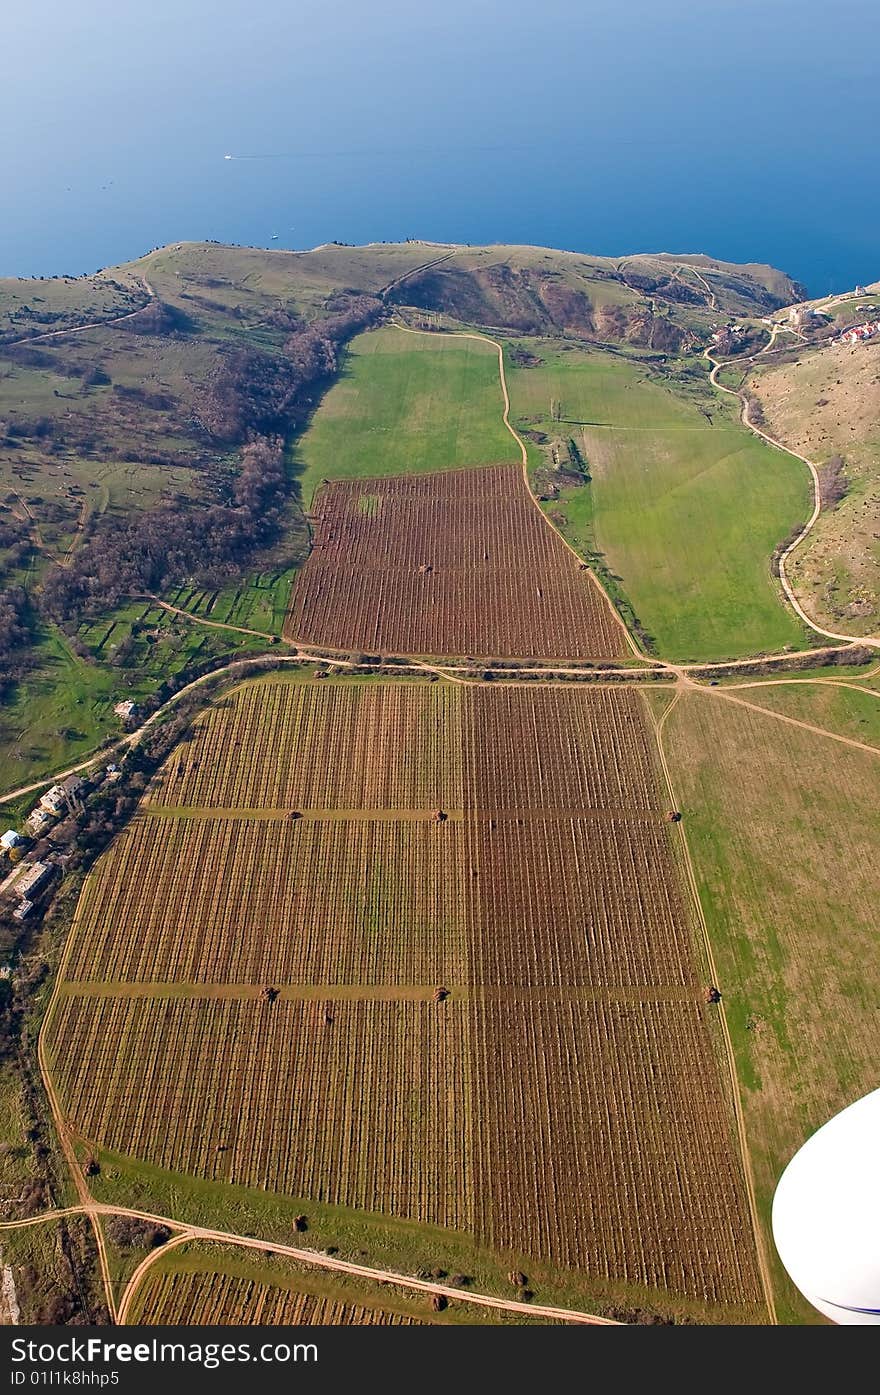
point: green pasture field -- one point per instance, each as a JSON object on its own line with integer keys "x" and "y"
{"x": 847, "y": 711}
{"x": 406, "y": 404}
{"x": 62, "y": 710}
{"x": 685, "y": 506}
{"x": 782, "y": 827}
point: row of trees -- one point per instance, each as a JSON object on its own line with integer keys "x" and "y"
{"x": 15, "y": 633}
{"x": 261, "y": 392}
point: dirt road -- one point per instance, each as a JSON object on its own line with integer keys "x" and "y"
{"x": 793, "y": 601}
{"x": 524, "y": 461}
{"x": 91, "y": 324}
{"x": 183, "y": 1233}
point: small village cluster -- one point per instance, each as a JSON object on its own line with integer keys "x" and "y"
{"x": 32, "y": 850}
{"x": 858, "y": 334}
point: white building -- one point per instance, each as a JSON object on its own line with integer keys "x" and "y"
{"x": 826, "y": 1215}
{"x": 60, "y": 797}
{"x": 55, "y": 800}
{"x": 10, "y": 839}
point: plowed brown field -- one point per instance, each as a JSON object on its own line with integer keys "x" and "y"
{"x": 456, "y": 563}
{"x": 397, "y": 1074}
{"x": 564, "y": 1102}
{"x": 325, "y": 745}
{"x": 390, "y": 908}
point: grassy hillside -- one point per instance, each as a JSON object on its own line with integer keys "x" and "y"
{"x": 406, "y": 403}
{"x": 782, "y": 826}
{"x": 147, "y": 418}
{"x": 662, "y": 303}
{"x": 685, "y": 506}
{"x": 827, "y": 403}
{"x": 239, "y": 283}
{"x": 62, "y": 709}
{"x": 29, "y": 307}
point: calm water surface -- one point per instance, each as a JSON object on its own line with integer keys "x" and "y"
{"x": 744, "y": 128}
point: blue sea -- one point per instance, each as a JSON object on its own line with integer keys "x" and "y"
{"x": 742, "y": 128}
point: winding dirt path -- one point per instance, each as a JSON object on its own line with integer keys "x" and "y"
{"x": 86, "y": 1202}
{"x": 712, "y": 298}
{"x": 382, "y": 1276}
{"x": 211, "y": 624}
{"x": 91, "y": 324}
{"x": 414, "y": 271}
{"x": 448, "y": 671}
{"x": 717, "y": 366}
{"x": 524, "y": 462}
{"x": 184, "y": 1233}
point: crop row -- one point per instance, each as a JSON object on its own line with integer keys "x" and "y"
{"x": 590, "y": 1134}
{"x": 276, "y": 901}
{"x": 503, "y": 517}
{"x": 443, "y": 568}
{"x": 576, "y": 901}
{"x": 607, "y": 1146}
{"x": 318, "y": 746}
{"x": 485, "y": 612}
{"x": 360, "y": 1104}
{"x": 536, "y": 901}
{"x": 415, "y": 745}
{"x": 208, "y": 1299}
{"x": 569, "y": 748}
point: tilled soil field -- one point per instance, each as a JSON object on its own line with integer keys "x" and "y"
{"x": 456, "y": 563}
{"x": 492, "y": 1021}
{"x": 206, "y": 1299}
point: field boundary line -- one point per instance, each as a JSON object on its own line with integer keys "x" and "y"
{"x": 382, "y": 1276}
{"x": 803, "y": 683}
{"x": 130, "y": 1291}
{"x": 448, "y": 672}
{"x": 872, "y": 640}
{"x": 524, "y": 462}
{"x": 733, "y": 1074}
{"x": 791, "y": 721}
{"x": 315, "y": 1258}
